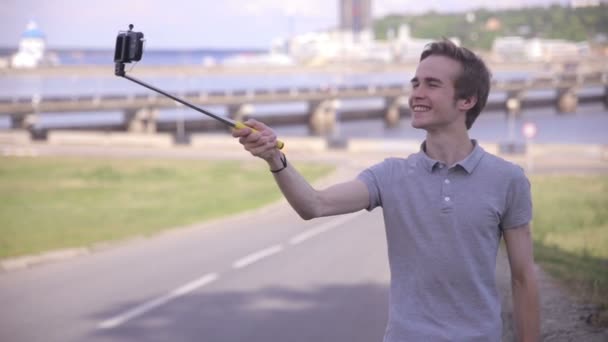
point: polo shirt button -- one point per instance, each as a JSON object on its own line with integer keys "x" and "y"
{"x": 447, "y": 199}
{"x": 447, "y": 181}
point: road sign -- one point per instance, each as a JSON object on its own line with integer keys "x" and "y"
{"x": 529, "y": 130}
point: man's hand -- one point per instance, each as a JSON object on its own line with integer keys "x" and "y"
{"x": 262, "y": 144}
{"x": 308, "y": 202}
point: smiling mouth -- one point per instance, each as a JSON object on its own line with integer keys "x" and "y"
{"x": 420, "y": 108}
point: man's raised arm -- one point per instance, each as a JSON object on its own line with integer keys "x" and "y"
{"x": 306, "y": 201}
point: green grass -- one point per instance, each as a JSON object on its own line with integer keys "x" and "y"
{"x": 52, "y": 203}
{"x": 570, "y": 230}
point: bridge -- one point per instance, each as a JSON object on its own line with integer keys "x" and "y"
{"x": 141, "y": 110}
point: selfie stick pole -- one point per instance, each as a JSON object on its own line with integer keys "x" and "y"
{"x": 119, "y": 70}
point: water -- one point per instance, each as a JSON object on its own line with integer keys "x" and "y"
{"x": 153, "y": 57}
{"x": 587, "y": 125}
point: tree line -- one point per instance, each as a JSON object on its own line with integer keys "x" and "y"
{"x": 477, "y": 29}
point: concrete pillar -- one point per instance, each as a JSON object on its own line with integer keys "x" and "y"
{"x": 321, "y": 117}
{"x": 150, "y": 126}
{"x": 25, "y": 121}
{"x": 566, "y": 101}
{"x": 141, "y": 120}
{"x": 240, "y": 112}
{"x": 132, "y": 120}
{"x": 513, "y": 108}
{"x": 513, "y": 103}
{"x": 392, "y": 113}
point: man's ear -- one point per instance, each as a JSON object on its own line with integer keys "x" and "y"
{"x": 467, "y": 103}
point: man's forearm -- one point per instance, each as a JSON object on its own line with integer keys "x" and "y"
{"x": 299, "y": 193}
{"x": 526, "y": 308}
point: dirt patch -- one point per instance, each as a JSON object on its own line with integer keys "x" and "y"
{"x": 563, "y": 317}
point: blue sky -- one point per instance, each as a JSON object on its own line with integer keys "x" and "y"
{"x": 197, "y": 23}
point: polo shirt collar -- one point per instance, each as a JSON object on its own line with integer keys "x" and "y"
{"x": 468, "y": 164}
{"x": 427, "y": 162}
{"x": 472, "y": 160}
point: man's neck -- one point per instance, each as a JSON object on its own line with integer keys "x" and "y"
{"x": 448, "y": 148}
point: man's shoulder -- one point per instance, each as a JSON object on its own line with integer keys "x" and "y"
{"x": 501, "y": 166}
{"x": 397, "y": 161}
{"x": 391, "y": 167}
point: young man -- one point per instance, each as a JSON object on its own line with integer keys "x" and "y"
{"x": 445, "y": 210}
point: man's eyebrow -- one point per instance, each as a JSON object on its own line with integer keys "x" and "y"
{"x": 427, "y": 80}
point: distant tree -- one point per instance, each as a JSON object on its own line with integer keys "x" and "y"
{"x": 555, "y": 22}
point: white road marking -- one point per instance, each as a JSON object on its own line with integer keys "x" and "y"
{"x": 150, "y": 305}
{"x": 209, "y": 278}
{"x": 257, "y": 256}
{"x": 322, "y": 228}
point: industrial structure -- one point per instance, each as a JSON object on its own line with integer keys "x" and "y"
{"x": 355, "y": 16}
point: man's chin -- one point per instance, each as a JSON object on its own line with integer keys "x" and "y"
{"x": 418, "y": 124}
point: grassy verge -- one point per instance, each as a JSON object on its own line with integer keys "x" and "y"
{"x": 51, "y": 203}
{"x": 570, "y": 230}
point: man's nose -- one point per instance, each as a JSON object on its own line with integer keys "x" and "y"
{"x": 418, "y": 92}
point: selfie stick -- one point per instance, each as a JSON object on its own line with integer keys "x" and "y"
{"x": 119, "y": 70}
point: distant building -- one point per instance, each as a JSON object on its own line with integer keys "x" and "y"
{"x": 31, "y": 48}
{"x": 520, "y": 49}
{"x": 355, "y": 16}
{"x": 408, "y": 48}
{"x": 584, "y": 3}
{"x": 558, "y": 49}
{"x": 352, "y": 41}
{"x": 493, "y": 24}
{"x": 509, "y": 48}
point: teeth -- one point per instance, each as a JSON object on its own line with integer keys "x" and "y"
{"x": 420, "y": 108}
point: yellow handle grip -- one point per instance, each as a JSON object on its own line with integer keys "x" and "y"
{"x": 240, "y": 125}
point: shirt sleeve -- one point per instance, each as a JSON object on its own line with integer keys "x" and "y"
{"x": 371, "y": 177}
{"x": 519, "y": 202}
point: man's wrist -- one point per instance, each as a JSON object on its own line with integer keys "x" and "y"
{"x": 277, "y": 163}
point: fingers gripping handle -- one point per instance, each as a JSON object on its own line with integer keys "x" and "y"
{"x": 240, "y": 125}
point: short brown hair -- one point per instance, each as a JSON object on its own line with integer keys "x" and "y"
{"x": 474, "y": 80}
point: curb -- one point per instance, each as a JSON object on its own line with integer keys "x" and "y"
{"x": 37, "y": 259}
{"x": 29, "y": 261}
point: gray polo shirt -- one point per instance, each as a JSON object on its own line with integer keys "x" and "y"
{"x": 443, "y": 226}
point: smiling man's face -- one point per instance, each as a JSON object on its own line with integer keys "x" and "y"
{"x": 432, "y": 100}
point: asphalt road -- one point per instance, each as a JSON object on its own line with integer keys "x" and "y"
{"x": 263, "y": 276}
{"x": 268, "y": 276}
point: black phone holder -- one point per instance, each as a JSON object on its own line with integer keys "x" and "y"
{"x": 130, "y": 48}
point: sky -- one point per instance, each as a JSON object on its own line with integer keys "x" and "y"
{"x": 189, "y": 24}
